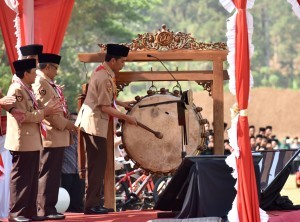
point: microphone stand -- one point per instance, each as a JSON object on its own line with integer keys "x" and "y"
{"x": 181, "y": 110}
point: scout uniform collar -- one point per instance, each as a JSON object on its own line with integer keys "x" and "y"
{"x": 28, "y": 86}
{"x": 109, "y": 71}
{"x": 56, "y": 88}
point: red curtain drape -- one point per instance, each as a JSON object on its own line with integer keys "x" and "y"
{"x": 7, "y": 17}
{"x": 51, "y": 18}
{"x": 50, "y": 23}
{"x": 247, "y": 197}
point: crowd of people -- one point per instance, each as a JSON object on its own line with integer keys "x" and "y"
{"x": 266, "y": 140}
{"x": 41, "y": 135}
{"x": 262, "y": 140}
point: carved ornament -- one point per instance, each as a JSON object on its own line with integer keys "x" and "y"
{"x": 164, "y": 40}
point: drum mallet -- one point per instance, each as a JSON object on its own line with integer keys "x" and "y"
{"x": 159, "y": 135}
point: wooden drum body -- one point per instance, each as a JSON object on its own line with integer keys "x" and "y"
{"x": 162, "y": 156}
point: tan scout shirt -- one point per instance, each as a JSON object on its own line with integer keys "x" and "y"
{"x": 100, "y": 93}
{"x": 57, "y": 135}
{"x": 25, "y": 136}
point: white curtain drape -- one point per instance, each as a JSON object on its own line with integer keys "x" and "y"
{"x": 27, "y": 22}
{"x": 231, "y": 23}
{"x": 295, "y": 6}
{"x": 4, "y": 181}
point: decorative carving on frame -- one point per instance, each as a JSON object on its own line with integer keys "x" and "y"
{"x": 164, "y": 40}
{"x": 207, "y": 85}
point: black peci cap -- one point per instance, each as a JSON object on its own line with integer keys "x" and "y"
{"x": 117, "y": 50}
{"x": 49, "y": 58}
{"x": 34, "y": 49}
{"x": 25, "y": 64}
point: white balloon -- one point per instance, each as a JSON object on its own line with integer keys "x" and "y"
{"x": 63, "y": 200}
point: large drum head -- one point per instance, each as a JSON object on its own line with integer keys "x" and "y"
{"x": 149, "y": 152}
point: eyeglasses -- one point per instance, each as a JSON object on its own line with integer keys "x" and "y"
{"x": 56, "y": 67}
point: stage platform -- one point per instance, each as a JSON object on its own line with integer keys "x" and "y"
{"x": 151, "y": 216}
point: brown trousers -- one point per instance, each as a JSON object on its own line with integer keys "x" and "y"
{"x": 49, "y": 180}
{"x": 96, "y": 149}
{"x": 24, "y": 183}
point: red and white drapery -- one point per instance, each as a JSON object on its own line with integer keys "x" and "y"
{"x": 26, "y": 22}
{"x": 239, "y": 33}
{"x": 245, "y": 207}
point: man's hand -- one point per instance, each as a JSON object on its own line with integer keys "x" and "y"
{"x": 71, "y": 127}
{"x": 54, "y": 106}
{"x": 19, "y": 115}
{"x": 7, "y": 100}
{"x": 131, "y": 120}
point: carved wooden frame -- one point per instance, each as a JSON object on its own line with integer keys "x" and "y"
{"x": 169, "y": 46}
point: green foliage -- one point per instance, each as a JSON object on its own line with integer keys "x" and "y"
{"x": 93, "y": 22}
{"x": 5, "y": 71}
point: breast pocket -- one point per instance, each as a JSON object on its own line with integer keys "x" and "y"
{"x": 29, "y": 129}
{"x": 29, "y": 105}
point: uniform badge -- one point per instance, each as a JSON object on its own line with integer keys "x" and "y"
{"x": 42, "y": 92}
{"x": 109, "y": 86}
{"x": 19, "y": 98}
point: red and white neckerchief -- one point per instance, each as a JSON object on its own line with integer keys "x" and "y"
{"x": 35, "y": 104}
{"x": 60, "y": 94}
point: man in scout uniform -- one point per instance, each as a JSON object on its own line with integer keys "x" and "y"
{"x": 24, "y": 142}
{"x": 93, "y": 119}
{"x": 30, "y": 52}
{"x": 58, "y": 136}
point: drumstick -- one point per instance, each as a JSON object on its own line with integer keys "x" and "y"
{"x": 159, "y": 135}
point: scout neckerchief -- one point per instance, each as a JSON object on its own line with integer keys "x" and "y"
{"x": 35, "y": 104}
{"x": 58, "y": 90}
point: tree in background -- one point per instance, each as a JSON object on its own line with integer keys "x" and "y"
{"x": 5, "y": 71}
{"x": 276, "y": 31}
{"x": 93, "y": 22}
